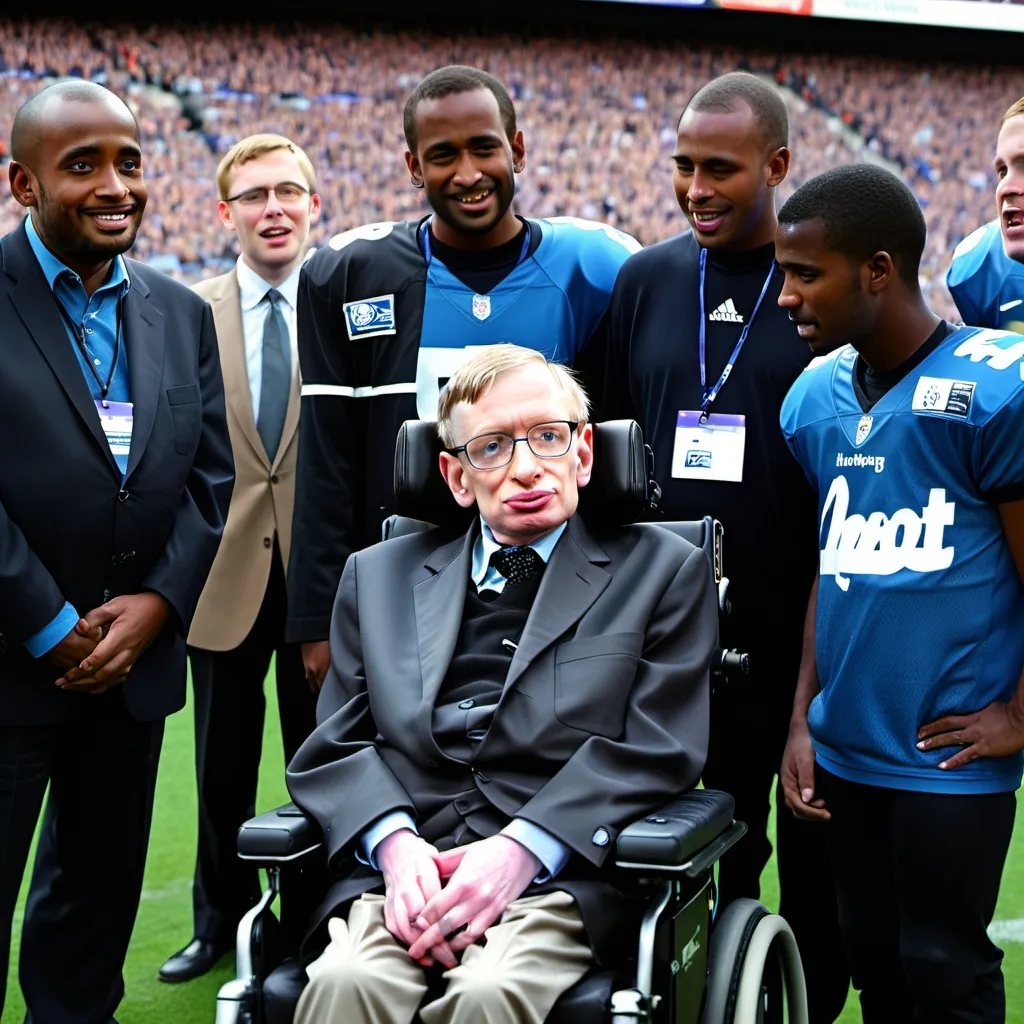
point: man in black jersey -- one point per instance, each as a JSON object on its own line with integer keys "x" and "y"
{"x": 387, "y": 312}
{"x": 701, "y": 356}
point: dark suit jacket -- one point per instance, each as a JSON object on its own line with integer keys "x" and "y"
{"x": 603, "y": 716}
{"x": 69, "y": 528}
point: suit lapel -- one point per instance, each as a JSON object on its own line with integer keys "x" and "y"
{"x": 572, "y": 582}
{"x": 37, "y": 307}
{"x": 144, "y": 342}
{"x": 439, "y": 600}
{"x": 227, "y": 312}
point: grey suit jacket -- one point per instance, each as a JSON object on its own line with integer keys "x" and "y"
{"x": 603, "y": 716}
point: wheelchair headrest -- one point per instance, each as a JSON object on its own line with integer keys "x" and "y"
{"x": 616, "y": 495}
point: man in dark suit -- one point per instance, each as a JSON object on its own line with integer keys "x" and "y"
{"x": 497, "y": 708}
{"x": 114, "y": 483}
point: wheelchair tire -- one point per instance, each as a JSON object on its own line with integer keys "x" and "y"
{"x": 772, "y": 938}
{"x": 730, "y": 937}
{"x": 744, "y": 939}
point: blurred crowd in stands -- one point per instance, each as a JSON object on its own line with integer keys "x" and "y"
{"x": 599, "y": 116}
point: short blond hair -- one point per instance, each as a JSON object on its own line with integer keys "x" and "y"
{"x": 252, "y": 148}
{"x": 1015, "y": 110}
{"x": 476, "y": 376}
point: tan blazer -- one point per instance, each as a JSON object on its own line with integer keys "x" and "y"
{"x": 264, "y": 494}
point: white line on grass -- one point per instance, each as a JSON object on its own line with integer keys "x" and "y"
{"x": 168, "y": 891}
{"x": 1007, "y": 931}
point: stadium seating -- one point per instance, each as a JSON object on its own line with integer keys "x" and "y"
{"x": 598, "y": 113}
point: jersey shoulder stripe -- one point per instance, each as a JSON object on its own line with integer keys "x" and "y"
{"x": 374, "y": 258}
{"x": 973, "y": 252}
{"x": 810, "y": 396}
{"x": 571, "y": 245}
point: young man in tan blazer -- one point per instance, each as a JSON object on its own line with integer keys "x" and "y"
{"x": 268, "y": 198}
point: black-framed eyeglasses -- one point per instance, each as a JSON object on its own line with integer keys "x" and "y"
{"x": 286, "y": 193}
{"x": 549, "y": 440}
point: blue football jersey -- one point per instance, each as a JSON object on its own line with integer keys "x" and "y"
{"x": 986, "y": 285}
{"x": 920, "y": 608}
{"x": 552, "y": 301}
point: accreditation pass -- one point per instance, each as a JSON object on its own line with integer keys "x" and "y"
{"x": 116, "y": 420}
{"x": 709, "y": 450}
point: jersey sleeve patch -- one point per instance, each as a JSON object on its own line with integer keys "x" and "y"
{"x": 944, "y": 396}
{"x": 370, "y": 318}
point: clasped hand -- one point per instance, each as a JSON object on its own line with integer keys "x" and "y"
{"x": 108, "y": 641}
{"x": 438, "y": 904}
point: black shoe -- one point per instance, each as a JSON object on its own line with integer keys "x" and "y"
{"x": 198, "y": 957}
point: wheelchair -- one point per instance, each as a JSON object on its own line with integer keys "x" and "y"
{"x": 695, "y": 962}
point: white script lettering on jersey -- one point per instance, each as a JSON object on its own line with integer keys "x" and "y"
{"x": 867, "y": 546}
{"x": 984, "y": 345}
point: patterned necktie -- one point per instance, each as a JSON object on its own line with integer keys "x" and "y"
{"x": 517, "y": 564}
{"x": 277, "y": 376}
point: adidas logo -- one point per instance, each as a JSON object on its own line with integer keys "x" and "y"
{"x": 726, "y": 313}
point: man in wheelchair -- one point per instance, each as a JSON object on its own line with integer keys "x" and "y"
{"x": 501, "y": 703}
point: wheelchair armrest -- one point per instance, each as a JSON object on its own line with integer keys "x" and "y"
{"x": 280, "y": 835}
{"x": 686, "y": 836}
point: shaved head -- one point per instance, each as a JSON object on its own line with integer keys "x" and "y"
{"x": 33, "y": 115}
{"x": 77, "y": 167}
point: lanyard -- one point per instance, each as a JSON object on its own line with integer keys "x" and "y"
{"x": 428, "y": 254}
{"x": 78, "y": 330}
{"x": 711, "y": 394}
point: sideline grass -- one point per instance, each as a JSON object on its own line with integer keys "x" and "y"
{"x": 165, "y": 916}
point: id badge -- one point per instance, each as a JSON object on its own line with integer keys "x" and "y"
{"x": 116, "y": 420}
{"x": 712, "y": 450}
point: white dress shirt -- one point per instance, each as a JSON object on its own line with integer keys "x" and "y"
{"x": 253, "y": 291}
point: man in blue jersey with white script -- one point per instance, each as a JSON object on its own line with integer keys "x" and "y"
{"x": 986, "y": 277}
{"x": 910, "y": 701}
{"x": 387, "y": 312}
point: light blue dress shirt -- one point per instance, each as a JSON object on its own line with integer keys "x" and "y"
{"x": 252, "y": 290}
{"x": 97, "y": 313}
{"x": 551, "y": 852}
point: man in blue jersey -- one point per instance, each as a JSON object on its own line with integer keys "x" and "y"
{"x": 909, "y": 696}
{"x": 986, "y": 277}
{"x": 387, "y": 312}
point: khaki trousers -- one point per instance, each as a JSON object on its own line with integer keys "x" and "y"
{"x": 531, "y": 956}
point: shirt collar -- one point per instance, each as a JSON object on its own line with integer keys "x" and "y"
{"x": 253, "y": 289}
{"x": 53, "y": 268}
{"x": 486, "y": 545}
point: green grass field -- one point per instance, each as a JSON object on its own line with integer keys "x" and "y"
{"x": 165, "y": 916}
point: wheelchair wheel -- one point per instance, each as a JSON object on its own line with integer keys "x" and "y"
{"x": 748, "y": 946}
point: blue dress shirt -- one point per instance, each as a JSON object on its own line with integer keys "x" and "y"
{"x": 551, "y": 852}
{"x": 97, "y": 313}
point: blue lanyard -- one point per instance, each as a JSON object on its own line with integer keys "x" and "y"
{"x": 428, "y": 254}
{"x": 712, "y": 394}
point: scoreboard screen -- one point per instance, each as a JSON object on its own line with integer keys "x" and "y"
{"x": 993, "y": 15}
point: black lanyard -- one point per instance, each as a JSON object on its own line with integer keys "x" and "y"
{"x": 78, "y": 330}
